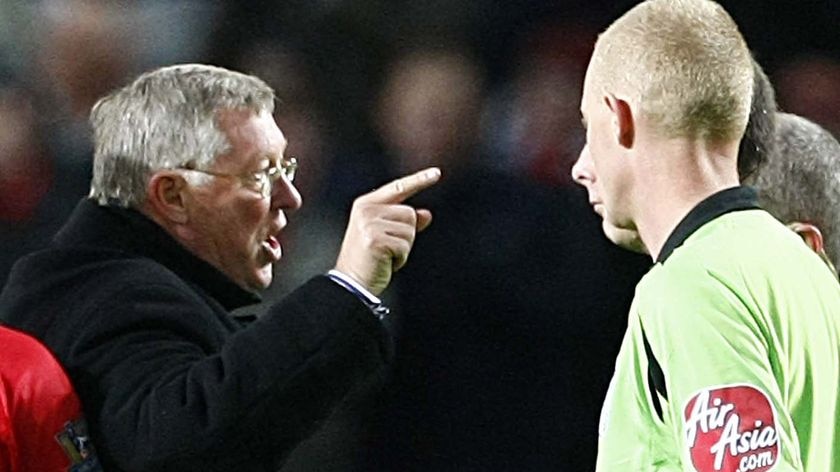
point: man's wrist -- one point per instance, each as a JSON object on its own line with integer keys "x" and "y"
{"x": 372, "y": 301}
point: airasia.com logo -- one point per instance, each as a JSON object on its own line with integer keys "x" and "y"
{"x": 731, "y": 429}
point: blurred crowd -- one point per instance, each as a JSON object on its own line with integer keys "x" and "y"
{"x": 367, "y": 89}
{"x": 513, "y": 299}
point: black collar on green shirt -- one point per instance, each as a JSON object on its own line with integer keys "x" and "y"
{"x": 129, "y": 231}
{"x": 725, "y": 201}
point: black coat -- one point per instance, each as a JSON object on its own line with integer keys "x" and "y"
{"x": 168, "y": 378}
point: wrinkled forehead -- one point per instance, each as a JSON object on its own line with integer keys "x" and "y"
{"x": 251, "y": 136}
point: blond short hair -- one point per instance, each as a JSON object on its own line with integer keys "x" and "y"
{"x": 685, "y": 65}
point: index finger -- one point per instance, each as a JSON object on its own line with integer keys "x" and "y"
{"x": 403, "y": 188}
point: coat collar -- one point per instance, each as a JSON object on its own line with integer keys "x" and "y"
{"x": 725, "y": 201}
{"x": 129, "y": 231}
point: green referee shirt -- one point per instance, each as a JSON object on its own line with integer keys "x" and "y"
{"x": 731, "y": 359}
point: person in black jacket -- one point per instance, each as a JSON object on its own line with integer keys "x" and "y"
{"x": 134, "y": 295}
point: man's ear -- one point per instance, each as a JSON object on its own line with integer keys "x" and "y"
{"x": 624, "y": 123}
{"x": 810, "y": 234}
{"x": 814, "y": 239}
{"x": 165, "y": 195}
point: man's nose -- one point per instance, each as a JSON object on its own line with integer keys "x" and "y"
{"x": 285, "y": 196}
{"x": 581, "y": 171}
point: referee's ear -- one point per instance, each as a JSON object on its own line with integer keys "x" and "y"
{"x": 624, "y": 120}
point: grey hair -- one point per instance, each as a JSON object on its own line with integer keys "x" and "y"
{"x": 165, "y": 119}
{"x": 759, "y": 139}
{"x": 801, "y": 180}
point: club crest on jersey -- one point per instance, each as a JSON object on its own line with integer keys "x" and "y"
{"x": 731, "y": 429}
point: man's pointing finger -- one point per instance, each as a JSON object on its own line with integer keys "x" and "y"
{"x": 405, "y": 187}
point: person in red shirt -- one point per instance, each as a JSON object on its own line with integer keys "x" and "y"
{"x": 41, "y": 423}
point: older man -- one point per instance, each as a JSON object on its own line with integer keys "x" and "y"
{"x": 733, "y": 334}
{"x": 800, "y": 183}
{"x": 189, "y": 195}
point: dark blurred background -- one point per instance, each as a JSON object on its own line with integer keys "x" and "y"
{"x": 509, "y": 315}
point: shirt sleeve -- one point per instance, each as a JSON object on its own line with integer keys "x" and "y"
{"x": 720, "y": 391}
{"x": 370, "y": 300}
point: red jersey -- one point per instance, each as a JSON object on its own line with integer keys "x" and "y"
{"x": 41, "y": 422}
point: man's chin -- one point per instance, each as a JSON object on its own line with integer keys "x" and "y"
{"x": 261, "y": 279}
{"x": 624, "y": 238}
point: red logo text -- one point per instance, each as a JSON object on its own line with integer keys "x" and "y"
{"x": 731, "y": 429}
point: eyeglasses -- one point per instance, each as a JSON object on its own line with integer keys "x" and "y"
{"x": 262, "y": 181}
